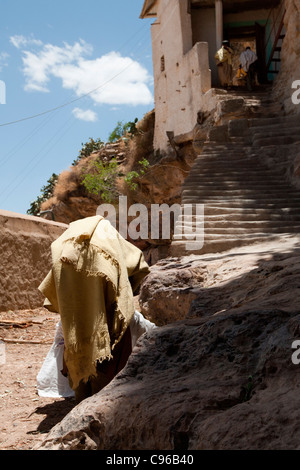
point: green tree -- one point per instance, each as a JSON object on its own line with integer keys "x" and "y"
{"x": 46, "y": 193}
{"x": 100, "y": 179}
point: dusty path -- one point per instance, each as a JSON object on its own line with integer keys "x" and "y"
{"x": 24, "y": 416}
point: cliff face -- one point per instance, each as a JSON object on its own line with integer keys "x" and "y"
{"x": 290, "y": 58}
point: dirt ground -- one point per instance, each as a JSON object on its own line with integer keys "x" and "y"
{"x": 25, "y": 339}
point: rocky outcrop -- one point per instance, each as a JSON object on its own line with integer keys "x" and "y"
{"x": 290, "y": 54}
{"x": 220, "y": 378}
{"x": 259, "y": 275}
{"x": 25, "y": 258}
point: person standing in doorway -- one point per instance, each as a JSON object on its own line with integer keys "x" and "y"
{"x": 248, "y": 60}
{"x": 223, "y": 59}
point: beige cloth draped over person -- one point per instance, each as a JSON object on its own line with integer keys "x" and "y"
{"x": 223, "y": 59}
{"x": 94, "y": 274}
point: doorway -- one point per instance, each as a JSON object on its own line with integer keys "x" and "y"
{"x": 241, "y": 37}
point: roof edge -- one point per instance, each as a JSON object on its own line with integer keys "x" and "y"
{"x": 146, "y": 11}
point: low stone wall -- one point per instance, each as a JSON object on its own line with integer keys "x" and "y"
{"x": 25, "y": 258}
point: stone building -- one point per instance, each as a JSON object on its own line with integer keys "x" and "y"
{"x": 185, "y": 37}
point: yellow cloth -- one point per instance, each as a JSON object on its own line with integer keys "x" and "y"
{"x": 94, "y": 272}
{"x": 224, "y": 55}
{"x": 241, "y": 73}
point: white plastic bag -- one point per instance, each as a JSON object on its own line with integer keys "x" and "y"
{"x": 50, "y": 381}
{"x": 138, "y": 326}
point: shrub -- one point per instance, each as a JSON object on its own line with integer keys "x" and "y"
{"x": 100, "y": 179}
{"x": 122, "y": 130}
{"x": 132, "y": 176}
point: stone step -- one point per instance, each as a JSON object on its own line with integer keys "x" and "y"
{"x": 226, "y": 166}
{"x": 238, "y": 224}
{"x": 220, "y": 158}
{"x": 208, "y": 184}
{"x": 227, "y": 170}
{"x": 238, "y": 216}
{"x": 241, "y": 192}
{"x": 181, "y": 248}
{"x": 229, "y": 157}
{"x": 219, "y": 153}
{"x": 234, "y": 176}
{"x": 288, "y": 127}
{"x": 225, "y": 237}
{"x": 267, "y": 141}
{"x": 242, "y": 196}
{"x": 200, "y": 185}
{"x": 230, "y": 233}
{"x": 226, "y": 146}
{"x": 230, "y": 180}
{"x": 250, "y": 203}
{"x": 227, "y": 209}
{"x": 259, "y": 122}
{"x": 239, "y": 174}
{"x": 277, "y": 133}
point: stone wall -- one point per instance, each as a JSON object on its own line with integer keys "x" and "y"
{"x": 181, "y": 72}
{"x": 290, "y": 58}
{"x": 25, "y": 258}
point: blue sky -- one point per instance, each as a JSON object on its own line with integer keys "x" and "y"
{"x": 55, "y": 53}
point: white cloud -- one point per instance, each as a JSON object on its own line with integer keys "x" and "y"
{"x": 116, "y": 80}
{"x": 20, "y": 41}
{"x": 85, "y": 115}
{"x": 3, "y": 57}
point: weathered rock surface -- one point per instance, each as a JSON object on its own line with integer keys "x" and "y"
{"x": 261, "y": 275}
{"x": 290, "y": 64}
{"x": 221, "y": 378}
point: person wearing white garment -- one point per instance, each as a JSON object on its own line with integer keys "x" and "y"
{"x": 248, "y": 60}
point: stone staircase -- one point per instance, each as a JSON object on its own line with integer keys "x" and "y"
{"x": 247, "y": 197}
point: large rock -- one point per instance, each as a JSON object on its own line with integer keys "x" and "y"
{"x": 198, "y": 285}
{"x": 169, "y": 289}
{"x": 221, "y": 379}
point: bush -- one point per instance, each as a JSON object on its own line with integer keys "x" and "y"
{"x": 121, "y": 130}
{"x": 132, "y": 176}
{"x": 101, "y": 178}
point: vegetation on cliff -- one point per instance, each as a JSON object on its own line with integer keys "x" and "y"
{"x": 101, "y": 172}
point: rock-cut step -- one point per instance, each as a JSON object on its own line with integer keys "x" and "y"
{"x": 244, "y": 201}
